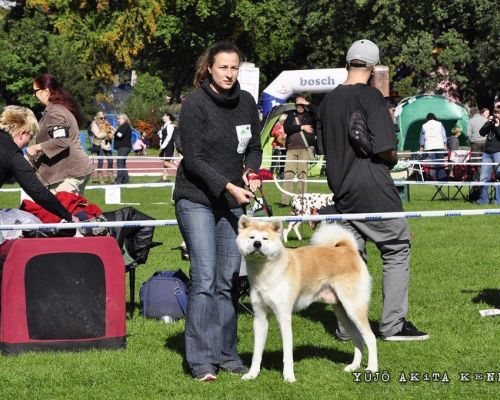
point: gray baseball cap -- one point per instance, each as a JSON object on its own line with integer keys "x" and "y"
{"x": 364, "y": 50}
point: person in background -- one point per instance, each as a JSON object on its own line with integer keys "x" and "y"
{"x": 299, "y": 129}
{"x": 363, "y": 184}
{"x": 58, "y": 155}
{"x": 166, "y": 134}
{"x": 219, "y": 129}
{"x": 18, "y": 125}
{"x": 453, "y": 140}
{"x": 474, "y": 124}
{"x": 491, "y": 155}
{"x": 102, "y": 136}
{"x": 123, "y": 146}
{"x": 278, "y": 145}
{"x": 140, "y": 146}
{"x": 433, "y": 140}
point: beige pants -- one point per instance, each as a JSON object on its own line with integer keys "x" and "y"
{"x": 295, "y": 166}
{"x": 72, "y": 185}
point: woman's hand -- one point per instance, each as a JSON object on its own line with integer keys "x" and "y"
{"x": 241, "y": 195}
{"x": 252, "y": 180}
{"x": 33, "y": 150}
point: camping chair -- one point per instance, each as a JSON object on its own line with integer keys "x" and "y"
{"x": 415, "y": 167}
{"x": 436, "y": 171}
{"x": 458, "y": 171}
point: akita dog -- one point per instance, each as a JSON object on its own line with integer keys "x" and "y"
{"x": 283, "y": 280}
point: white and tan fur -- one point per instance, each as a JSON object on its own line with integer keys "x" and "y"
{"x": 284, "y": 280}
{"x": 303, "y": 204}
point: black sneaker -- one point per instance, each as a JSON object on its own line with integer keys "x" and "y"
{"x": 408, "y": 332}
{"x": 342, "y": 337}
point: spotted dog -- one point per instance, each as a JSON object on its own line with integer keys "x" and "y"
{"x": 303, "y": 204}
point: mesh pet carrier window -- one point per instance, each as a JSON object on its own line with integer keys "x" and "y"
{"x": 65, "y": 296}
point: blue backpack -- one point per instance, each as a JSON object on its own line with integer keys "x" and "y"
{"x": 165, "y": 295}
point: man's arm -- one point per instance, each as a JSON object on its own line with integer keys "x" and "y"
{"x": 391, "y": 156}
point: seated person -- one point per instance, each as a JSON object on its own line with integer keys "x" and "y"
{"x": 140, "y": 146}
{"x": 453, "y": 140}
{"x": 18, "y": 125}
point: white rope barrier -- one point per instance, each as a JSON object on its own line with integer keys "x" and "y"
{"x": 295, "y": 180}
{"x": 317, "y": 218}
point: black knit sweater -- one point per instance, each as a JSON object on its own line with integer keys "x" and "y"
{"x": 207, "y": 127}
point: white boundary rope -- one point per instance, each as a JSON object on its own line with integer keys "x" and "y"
{"x": 329, "y": 217}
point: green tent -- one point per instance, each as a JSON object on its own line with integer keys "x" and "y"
{"x": 266, "y": 139}
{"x": 411, "y": 113}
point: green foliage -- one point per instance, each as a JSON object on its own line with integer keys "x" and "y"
{"x": 147, "y": 99}
{"x": 105, "y": 38}
{"x": 23, "y": 47}
{"x": 74, "y": 77}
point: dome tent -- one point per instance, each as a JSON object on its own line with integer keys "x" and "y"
{"x": 411, "y": 113}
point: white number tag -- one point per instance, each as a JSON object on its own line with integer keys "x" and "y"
{"x": 244, "y": 133}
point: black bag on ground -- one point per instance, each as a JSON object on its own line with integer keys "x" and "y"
{"x": 165, "y": 295}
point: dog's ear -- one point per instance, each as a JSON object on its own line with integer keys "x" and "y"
{"x": 277, "y": 225}
{"x": 243, "y": 222}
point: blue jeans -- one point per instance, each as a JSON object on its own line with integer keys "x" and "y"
{"x": 437, "y": 171}
{"x": 485, "y": 176}
{"x": 211, "y": 321}
{"x": 121, "y": 164}
{"x": 100, "y": 161}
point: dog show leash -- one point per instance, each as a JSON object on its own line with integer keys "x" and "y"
{"x": 252, "y": 175}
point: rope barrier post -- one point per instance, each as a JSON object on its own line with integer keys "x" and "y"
{"x": 112, "y": 195}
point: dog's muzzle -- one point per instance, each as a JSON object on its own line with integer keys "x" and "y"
{"x": 257, "y": 244}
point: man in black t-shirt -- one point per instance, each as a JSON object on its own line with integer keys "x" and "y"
{"x": 363, "y": 184}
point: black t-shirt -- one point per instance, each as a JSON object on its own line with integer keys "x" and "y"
{"x": 359, "y": 185}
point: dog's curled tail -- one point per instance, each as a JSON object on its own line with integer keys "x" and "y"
{"x": 334, "y": 235}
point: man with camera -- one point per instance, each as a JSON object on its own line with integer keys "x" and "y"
{"x": 491, "y": 155}
{"x": 299, "y": 130}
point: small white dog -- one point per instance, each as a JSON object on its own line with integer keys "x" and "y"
{"x": 285, "y": 280}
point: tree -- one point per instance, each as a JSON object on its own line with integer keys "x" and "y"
{"x": 23, "y": 45}
{"x": 147, "y": 100}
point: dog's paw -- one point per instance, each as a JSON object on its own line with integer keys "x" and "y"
{"x": 351, "y": 367}
{"x": 289, "y": 377}
{"x": 371, "y": 369}
{"x": 250, "y": 375}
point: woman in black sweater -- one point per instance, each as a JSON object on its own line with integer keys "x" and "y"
{"x": 219, "y": 129}
{"x": 17, "y": 127}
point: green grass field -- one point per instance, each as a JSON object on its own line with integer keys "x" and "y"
{"x": 454, "y": 274}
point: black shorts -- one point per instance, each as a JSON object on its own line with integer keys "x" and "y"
{"x": 168, "y": 151}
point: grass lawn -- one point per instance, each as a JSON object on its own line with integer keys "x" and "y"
{"x": 454, "y": 274}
